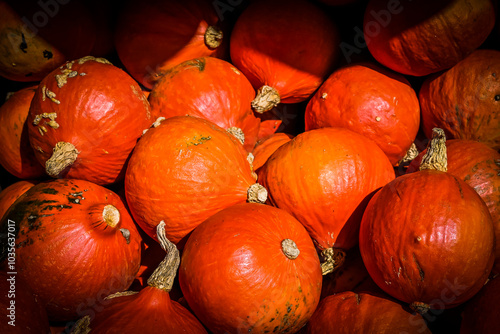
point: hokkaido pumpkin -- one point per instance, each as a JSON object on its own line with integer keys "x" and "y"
{"x": 422, "y": 37}
{"x": 74, "y": 243}
{"x": 85, "y": 119}
{"x": 184, "y": 170}
{"x": 265, "y": 149}
{"x": 465, "y": 100}
{"x": 369, "y": 100}
{"x": 210, "y": 88}
{"x": 10, "y": 194}
{"x": 251, "y": 268}
{"x": 17, "y": 155}
{"x": 155, "y": 35}
{"x": 427, "y": 238}
{"x": 324, "y": 178}
{"x": 285, "y": 48}
{"x": 148, "y": 311}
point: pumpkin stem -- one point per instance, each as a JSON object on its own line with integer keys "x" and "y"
{"x": 164, "y": 275}
{"x": 267, "y": 98}
{"x": 420, "y": 307}
{"x": 256, "y": 194}
{"x": 250, "y": 159}
{"x": 111, "y": 215}
{"x": 290, "y": 249}
{"x": 334, "y": 259}
{"x": 435, "y": 158}
{"x": 82, "y": 326}
{"x": 411, "y": 154}
{"x": 213, "y": 37}
{"x": 238, "y": 133}
{"x": 63, "y": 155}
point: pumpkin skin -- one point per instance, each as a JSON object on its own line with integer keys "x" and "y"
{"x": 70, "y": 245}
{"x": 424, "y": 37}
{"x": 98, "y": 113}
{"x": 183, "y": 171}
{"x": 216, "y": 91}
{"x": 257, "y": 287}
{"x": 153, "y": 36}
{"x": 369, "y": 100}
{"x": 434, "y": 243}
{"x": 324, "y": 178}
{"x": 17, "y": 155}
{"x": 290, "y": 46}
{"x": 464, "y": 100}
{"x": 10, "y": 194}
{"x": 264, "y": 150}
{"x": 364, "y": 313}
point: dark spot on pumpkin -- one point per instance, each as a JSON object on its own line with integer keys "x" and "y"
{"x": 29, "y": 74}
{"x": 272, "y": 319}
{"x": 497, "y": 97}
{"x": 47, "y": 54}
{"x": 50, "y": 191}
{"x": 24, "y": 243}
{"x": 34, "y": 225}
{"x": 467, "y": 177}
{"x": 59, "y": 207}
{"x": 420, "y": 270}
{"x": 276, "y": 329}
{"x": 23, "y": 45}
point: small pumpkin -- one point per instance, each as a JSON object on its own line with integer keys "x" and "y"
{"x": 10, "y": 194}
{"x": 427, "y": 238}
{"x": 251, "y": 268}
{"x": 265, "y": 149}
{"x": 75, "y": 243}
{"x": 285, "y": 48}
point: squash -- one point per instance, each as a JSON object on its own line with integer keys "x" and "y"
{"x": 262, "y": 151}
{"x": 11, "y": 193}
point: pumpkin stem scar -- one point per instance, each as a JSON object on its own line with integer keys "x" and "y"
{"x": 213, "y": 37}
{"x": 334, "y": 259}
{"x": 290, "y": 249}
{"x": 111, "y": 215}
{"x": 238, "y": 133}
{"x": 267, "y": 98}
{"x": 435, "y": 158}
{"x": 256, "y": 193}
{"x": 64, "y": 154}
{"x": 420, "y": 307}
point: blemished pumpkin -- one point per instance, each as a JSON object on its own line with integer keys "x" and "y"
{"x": 85, "y": 119}
{"x": 184, "y": 170}
{"x": 422, "y": 37}
{"x": 324, "y": 178}
{"x": 370, "y": 100}
{"x": 153, "y": 36}
{"x": 209, "y": 88}
{"x": 465, "y": 100}
{"x": 251, "y": 268}
{"x": 285, "y": 48}
{"x": 427, "y": 238}
{"x": 75, "y": 243}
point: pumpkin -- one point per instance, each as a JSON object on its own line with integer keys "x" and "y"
{"x": 285, "y": 48}
{"x": 150, "y": 310}
{"x": 22, "y": 311}
{"x": 427, "y": 238}
{"x": 85, "y": 119}
{"x": 479, "y": 166}
{"x": 75, "y": 243}
{"x": 10, "y": 194}
{"x": 265, "y": 149}
{"x": 480, "y": 314}
{"x": 210, "y": 88}
{"x": 183, "y": 171}
{"x": 17, "y": 155}
{"x": 153, "y": 36}
{"x": 369, "y": 100}
{"x": 324, "y": 178}
{"x": 251, "y": 268}
{"x": 464, "y": 100}
{"x": 349, "y": 312}
{"x": 422, "y": 37}
{"x": 35, "y": 40}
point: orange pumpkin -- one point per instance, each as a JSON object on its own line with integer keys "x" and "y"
{"x": 265, "y": 149}
{"x": 10, "y": 194}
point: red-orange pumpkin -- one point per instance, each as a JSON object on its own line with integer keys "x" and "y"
{"x": 17, "y": 156}
{"x": 360, "y": 313}
{"x": 465, "y": 100}
{"x": 285, "y": 48}
{"x": 427, "y": 238}
{"x": 74, "y": 243}
{"x": 369, "y": 100}
{"x": 423, "y": 37}
{"x": 324, "y": 178}
{"x": 85, "y": 119}
{"x": 251, "y": 268}
{"x": 155, "y": 35}
{"x": 265, "y": 149}
{"x": 183, "y": 171}
{"x": 210, "y": 88}
{"x": 10, "y": 194}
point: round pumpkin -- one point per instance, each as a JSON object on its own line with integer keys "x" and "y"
{"x": 350, "y": 313}
{"x": 183, "y": 171}
{"x": 465, "y": 100}
{"x": 10, "y": 194}
{"x": 85, "y": 119}
{"x": 262, "y": 151}
{"x": 427, "y": 238}
{"x": 285, "y": 48}
{"x": 155, "y": 35}
{"x": 17, "y": 155}
{"x": 422, "y": 37}
{"x": 324, "y": 178}
{"x": 210, "y": 88}
{"x": 251, "y": 268}
{"x": 74, "y": 243}
{"x": 372, "y": 101}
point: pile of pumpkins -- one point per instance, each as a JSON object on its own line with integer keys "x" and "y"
{"x": 259, "y": 166}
